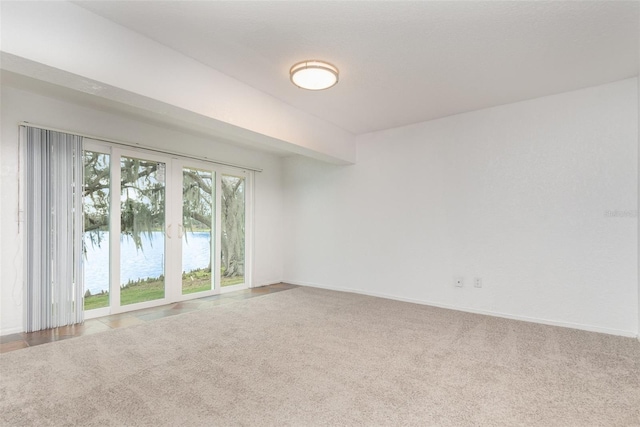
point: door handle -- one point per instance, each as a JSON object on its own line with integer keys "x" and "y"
{"x": 169, "y": 230}
{"x": 180, "y": 231}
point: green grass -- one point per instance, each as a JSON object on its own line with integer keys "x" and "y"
{"x": 228, "y": 281}
{"x": 96, "y": 301}
{"x": 196, "y": 281}
{"x": 152, "y": 289}
{"x": 200, "y": 280}
{"x": 145, "y": 291}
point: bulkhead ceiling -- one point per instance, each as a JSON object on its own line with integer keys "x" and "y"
{"x": 400, "y": 62}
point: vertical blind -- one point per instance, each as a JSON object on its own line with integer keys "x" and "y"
{"x": 53, "y": 217}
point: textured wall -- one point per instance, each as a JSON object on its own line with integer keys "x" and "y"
{"x": 20, "y": 105}
{"x": 536, "y": 198}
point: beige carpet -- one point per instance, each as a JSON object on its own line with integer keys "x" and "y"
{"x": 312, "y": 357}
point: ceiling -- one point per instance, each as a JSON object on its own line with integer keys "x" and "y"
{"x": 400, "y": 62}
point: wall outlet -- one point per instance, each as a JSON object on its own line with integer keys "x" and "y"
{"x": 458, "y": 281}
{"x": 477, "y": 282}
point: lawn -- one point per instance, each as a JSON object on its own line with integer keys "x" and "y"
{"x": 148, "y": 290}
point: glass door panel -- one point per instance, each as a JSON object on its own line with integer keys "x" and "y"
{"x": 142, "y": 230}
{"x": 198, "y": 223}
{"x": 233, "y": 230}
{"x": 96, "y": 229}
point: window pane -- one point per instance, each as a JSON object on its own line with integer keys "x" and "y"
{"x": 142, "y": 236}
{"x": 96, "y": 229}
{"x": 232, "y": 238}
{"x": 197, "y": 241}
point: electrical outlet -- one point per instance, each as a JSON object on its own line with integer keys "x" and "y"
{"x": 477, "y": 282}
{"x": 458, "y": 281}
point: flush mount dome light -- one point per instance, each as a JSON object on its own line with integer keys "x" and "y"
{"x": 314, "y": 75}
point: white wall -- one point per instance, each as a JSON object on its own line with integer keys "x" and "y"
{"x": 19, "y": 105}
{"x": 515, "y": 194}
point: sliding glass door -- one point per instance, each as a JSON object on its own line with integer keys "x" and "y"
{"x": 197, "y": 229}
{"x": 96, "y": 241}
{"x": 175, "y": 229}
{"x": 142, "y": 228}
{"x": 232, "y": 255}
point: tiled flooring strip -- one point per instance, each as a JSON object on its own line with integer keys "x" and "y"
{"x": 22, "y": 340}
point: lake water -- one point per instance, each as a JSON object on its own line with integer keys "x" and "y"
{"x": 138, "y": 264}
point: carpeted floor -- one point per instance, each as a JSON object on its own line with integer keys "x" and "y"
{"x": 313, "y": 357}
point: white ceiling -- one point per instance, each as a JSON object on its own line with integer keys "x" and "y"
{"x": 400, "y": 62}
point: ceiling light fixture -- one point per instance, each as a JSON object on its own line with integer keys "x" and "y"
{"x": 314, "y": 75}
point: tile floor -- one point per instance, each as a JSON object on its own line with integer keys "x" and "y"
{"x": 123, "y": 320}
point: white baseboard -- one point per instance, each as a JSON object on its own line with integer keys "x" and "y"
{"x": 10, "y": 331}
{"x": 563, "y": 324}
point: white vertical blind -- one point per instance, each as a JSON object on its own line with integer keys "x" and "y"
{"x": 54, "y": 171}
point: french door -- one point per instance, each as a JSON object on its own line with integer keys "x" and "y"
{"x": 160, "y": 228}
